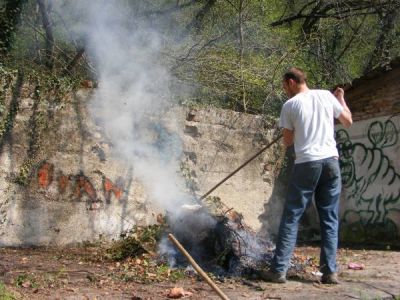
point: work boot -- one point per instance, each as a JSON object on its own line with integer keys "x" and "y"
{"x": 330, "y": 278}
{"x": 272, "y": 276}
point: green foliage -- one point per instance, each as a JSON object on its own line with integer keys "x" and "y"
{"x": 332, "y": 50}
{"x": 214, "y": 205}
{"x": 5, "y": 294}
{"x": 229, "y": 54}
{"x": 135, "y": 242}
{"x": 24, "y": 172}
{"x": 10, "y": 12}
{"x": 163, "y": 271}
{"x": 26, "y": 280}
{"x": 27, "y": 47}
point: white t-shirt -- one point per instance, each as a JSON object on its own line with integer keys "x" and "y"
{"x": 311, "y": 115}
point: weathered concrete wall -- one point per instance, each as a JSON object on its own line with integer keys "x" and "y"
{"x": 60, "y": 184}
{"x": 216, "y": 143}
{"x": 370, "y": 165}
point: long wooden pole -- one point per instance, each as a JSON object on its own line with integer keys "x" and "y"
{"x": 198, "y": 268}
{"x": 240, "y": 167}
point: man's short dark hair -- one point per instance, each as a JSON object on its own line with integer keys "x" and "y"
{"x": 296, "y": 74}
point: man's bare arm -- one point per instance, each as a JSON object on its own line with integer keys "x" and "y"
{"x": 288, "y": 137}
{"x": 345, "y": 117}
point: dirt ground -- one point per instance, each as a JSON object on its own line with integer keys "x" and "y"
{"x": 78, "y": 273}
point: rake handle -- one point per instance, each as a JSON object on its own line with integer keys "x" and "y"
{"x": 241, "y": 166}
{"x": 197, "y": 267}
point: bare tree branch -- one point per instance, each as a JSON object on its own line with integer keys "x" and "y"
{"x": 74, "y": 61}
{"x": 350, "y": 41}
{"x": 333, "y": 9}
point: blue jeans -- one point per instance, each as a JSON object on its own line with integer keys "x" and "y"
{"x": 322, "y": 178}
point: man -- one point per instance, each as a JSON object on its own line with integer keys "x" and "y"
{"x": 307, "y": 119}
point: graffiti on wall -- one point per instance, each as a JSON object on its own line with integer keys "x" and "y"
{"x": 79, "y": 187}
{"x": 370, "y": 181}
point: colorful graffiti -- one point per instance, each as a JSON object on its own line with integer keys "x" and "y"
{"x": 370, "y": 181}
{"x": 83, "y": 186}
{"x": 45, "y": 174}
{"x": 111, "y": 188}
{"x": 79, "y": 187}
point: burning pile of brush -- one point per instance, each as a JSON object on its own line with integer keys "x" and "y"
{"x": 220, "y": 243}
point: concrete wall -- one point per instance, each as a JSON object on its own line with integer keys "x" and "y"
{"x": 58, "y": 181}
{"x": 216, "y": 143}
{"x": 370, "y": 165}
{"x": 60, "y": 184}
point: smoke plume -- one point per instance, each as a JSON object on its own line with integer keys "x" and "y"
{"x": 133, "y": 93}
{"x": 129, "y": 104}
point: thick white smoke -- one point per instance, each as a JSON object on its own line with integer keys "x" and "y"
{"x": 132, "y": 95}
{"x": 129, "y": 104}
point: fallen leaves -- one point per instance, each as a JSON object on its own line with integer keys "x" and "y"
{"x": 145, "y": 269}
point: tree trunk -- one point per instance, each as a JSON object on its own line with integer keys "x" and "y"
{"x": 381, "y": 56}
{"x": 241, "y": 52}
{"x": 49, "y": 34}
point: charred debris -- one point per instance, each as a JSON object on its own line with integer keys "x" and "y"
{"x": 218, "y": 240}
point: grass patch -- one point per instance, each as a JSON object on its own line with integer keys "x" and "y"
{"x": 5, "y": 294}
{"x": 26, "y": 281}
